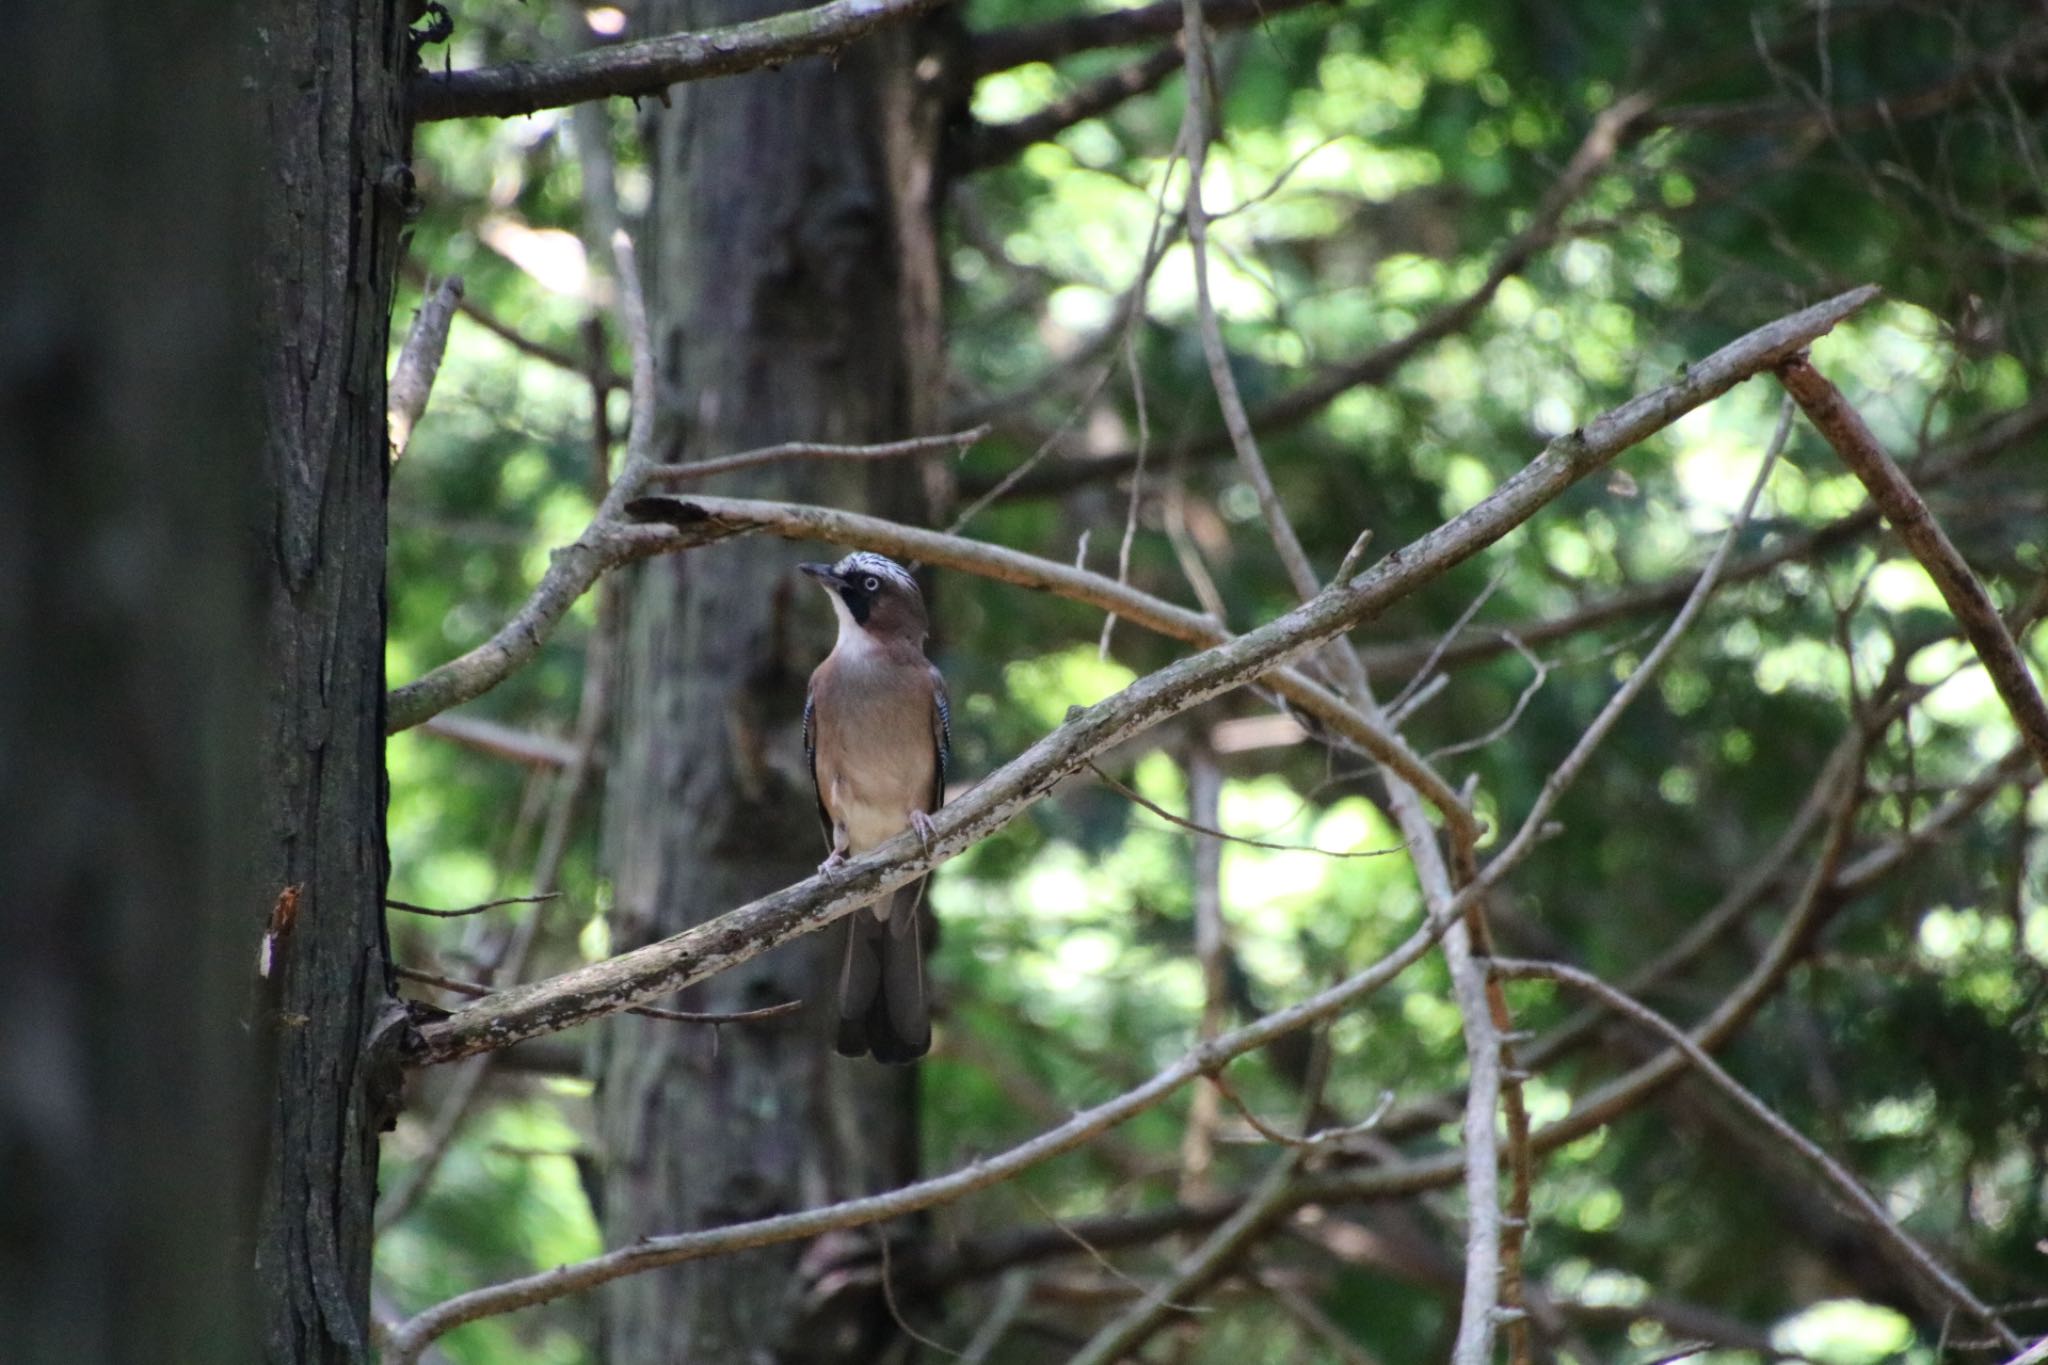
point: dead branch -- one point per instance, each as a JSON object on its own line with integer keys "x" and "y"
{"x": 1599, "y": 146}
{"x": 650, "y": 66}
{"x": 956, "y": 442}
{"x": 1907, "y": 512}
{"x": 1003, "y": 48}
{"x": 411, "y": 1337}
{"x": 502, "y": 741}
{"x": 1845, "y": 1185}
{"x": 467, "y": 910}
{"x": 600, "y": 988}
{"x": 992, "y": 144}
{"x": 1996, "y": 437}
{"x": 1130, "y": 1330}
{"x": 476, "y": 990}
{"x": 419, "y": 361}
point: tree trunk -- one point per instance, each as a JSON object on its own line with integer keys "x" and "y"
{"x": 793, "y": 296}
{"x": 128, "y": 665}
{"x": 328, "y": 78}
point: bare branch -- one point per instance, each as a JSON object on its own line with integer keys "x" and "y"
{"x": 1907, "y": 512}
{"x": 956, "y": 442}
{"x": 1138, "y": 798}
{"x": 1053, "y": 39}
{"x": 502, "y": 741}
{"x": 1601, "y": 142}
{"x": 467, "y": 910}
{"x": 1567, "y": 771}
{"x": 476, "y": 990}
{"x": 1268, "y": 1203}
{"x": 600, "y": 988}
{"x": 410, "y": 1338}
{"x": 419, "y": 361}
{"x": 650, "y": 66}
{"x": 992, "y": 144}
{"x": 1844, "y": 1184}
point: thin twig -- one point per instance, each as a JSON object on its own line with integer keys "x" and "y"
{"x": 1003, "y": 48}
{"x": 1210, "y": 832}
{"x": 1601, "y": 142}
{"x": 954, "y": 441}
{"x": 1205, "y": 809}
{"x": 1844, "y": 1184}
{"x": 1907, "y": 512}
{"x": 411, "y": 1337}
{"x": 992, "y": 144}
{"x": 412, "y": 909}
{"x": 1269, "y": 1202}
{"x": 419, "y": 361}
{"x": 650, "y": 66}
{"x": 502, "y": 741}
{"x": 600, "y": 988}
{"x": 477, "y": 990}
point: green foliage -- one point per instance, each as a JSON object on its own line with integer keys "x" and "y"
{"x": 1375, "y": 158}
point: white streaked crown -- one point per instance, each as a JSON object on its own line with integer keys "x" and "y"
{"x": 881, "y": 566}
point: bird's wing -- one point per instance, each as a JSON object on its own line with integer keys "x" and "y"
{"x": 811, "y": 761}
{"x": 942, "y": 737}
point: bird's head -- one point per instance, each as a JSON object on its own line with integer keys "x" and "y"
{"x": 873, "y": 593}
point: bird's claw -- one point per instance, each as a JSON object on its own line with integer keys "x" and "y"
{"x": 926, "y": 831}
{"x": 832, "y": 862}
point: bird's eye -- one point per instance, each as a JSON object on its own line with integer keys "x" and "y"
{"x": 872, "y": 583}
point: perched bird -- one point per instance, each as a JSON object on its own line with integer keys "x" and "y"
{"x": 877, "y": 737}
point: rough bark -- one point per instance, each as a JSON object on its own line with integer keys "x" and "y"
{"x": 128, "y": 654}
{"x": 793, "y": 296}
{"x": 328, "y": 81}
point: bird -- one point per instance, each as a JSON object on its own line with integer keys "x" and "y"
{"x": 877, "y": 740}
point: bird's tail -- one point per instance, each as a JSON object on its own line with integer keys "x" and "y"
{"x": 881, "y": 988}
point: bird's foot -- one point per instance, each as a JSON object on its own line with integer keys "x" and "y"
{"x": 833, "y": 861}
{"x": 922, "y": 823}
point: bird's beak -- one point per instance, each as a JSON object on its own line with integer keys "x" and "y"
{"x": 823, "y": 573}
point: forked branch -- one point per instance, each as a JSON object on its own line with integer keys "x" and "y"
{"x": 633, "y": 978}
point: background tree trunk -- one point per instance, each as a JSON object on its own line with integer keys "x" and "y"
{"x": 128, "y": 658}
{"x": 794, "y": 296}
{"x": 336, "y": 190}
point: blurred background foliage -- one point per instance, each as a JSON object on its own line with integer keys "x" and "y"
{"x": 1375, "y": 160}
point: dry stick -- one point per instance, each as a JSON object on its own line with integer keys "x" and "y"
{"x": 1004, "y": 48}
{"x": 476, "y": 989}
{"x": 510, "y": 335}
{"x": 412, "y": 909}
{"x": 700, "y": 518}
{"x": 1845, "y": 1185}
{"x": 573, "y": 568}
{"x": 412, "y": 1336}
{"x": 1599, "y": 146}
{"x": 1831, "y": 880}
{"x": 650, "y": 66}
{"x": 954, "y": 441}
{"x": 991, "y": 144}
{"x": 1206, "y": 831}
{"x": 2033, "y": 1355}
{"x": 1205, "y": 801}
{"x": 1268, "y": 1203}
{"x": 574, "y": 779}
{"x": 1482, "y": 1031}
{"x": 419, "y": 361}
{"x": 600, "y": 988}
{"x": 1907, "y": 512}
{"x": 1996, "y": 437}
{"x": 1123, "y": 549}
{"x": 502, "y": 741}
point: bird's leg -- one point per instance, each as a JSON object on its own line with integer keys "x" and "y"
{"x": 922, "y": 823}
{"x": 832, "y": 862}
